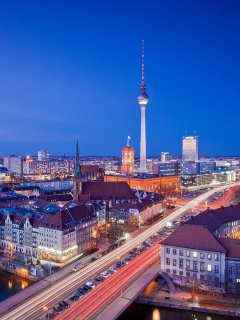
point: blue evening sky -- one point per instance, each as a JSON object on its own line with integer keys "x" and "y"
{"x": 72, "y": 68}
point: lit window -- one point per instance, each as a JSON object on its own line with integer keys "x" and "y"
{"x": 209, "y": 267}
{"x": 194, "y": 254}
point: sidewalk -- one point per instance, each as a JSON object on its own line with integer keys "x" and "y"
{"x": 160, "y": 295}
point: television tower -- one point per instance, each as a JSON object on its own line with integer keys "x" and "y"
{"x": 143, "y": 100}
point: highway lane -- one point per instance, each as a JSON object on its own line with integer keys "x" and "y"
{"x": 31, "y": 308}
{"x": 110, "y": 288}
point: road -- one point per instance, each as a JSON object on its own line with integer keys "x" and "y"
{"x": 111, "y": 288}
{"x": 64, "y": 288}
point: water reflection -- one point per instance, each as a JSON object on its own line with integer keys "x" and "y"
{"x": 11, "y": 284}
{"x": 156, "y": 315}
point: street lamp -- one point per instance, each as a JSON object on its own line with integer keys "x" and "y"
{"x": 45, "y": 309}
{"x": 107, "y": 225}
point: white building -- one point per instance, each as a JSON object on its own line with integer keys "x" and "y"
{"x": 190, "y": 148}
{"x": 204, "y": 251}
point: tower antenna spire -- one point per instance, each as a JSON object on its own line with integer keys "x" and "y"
{"x": 142, "y": 61}
{"x": 77, "y": 171}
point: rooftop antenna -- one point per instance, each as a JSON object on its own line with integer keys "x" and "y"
{"x": 143, "y": 86}
{"x": 128, "y": 141}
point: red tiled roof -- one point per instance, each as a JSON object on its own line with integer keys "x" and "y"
{"x": 193, "y": 237}
{"x": 231, "y": 245}
{"x": 85, "y": 168}
{"x": 100, "y": 190}
{"x": 40, "y": 203}
{"x": 213, "y": 219}
{"x": 35, "y": 222}
{"x": 67, "y": 218}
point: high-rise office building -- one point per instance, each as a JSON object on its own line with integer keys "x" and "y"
{"x": 190, "y": 148}
{"x": 44, "y": 155}
{"x": 165, "y": 157}
{"x": 127, "y": 158}
{"x": 143, "y": 100}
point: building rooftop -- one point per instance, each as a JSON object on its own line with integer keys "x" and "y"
{"x": 193, "y": 237}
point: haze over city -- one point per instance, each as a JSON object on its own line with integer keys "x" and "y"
{"x": 70, "y": 68}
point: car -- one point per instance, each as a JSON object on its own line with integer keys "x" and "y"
{"x": 119, "y": 264}
{"x": 113, "y": 269}
{"x": 79, "y": 294}
{"x": 87, "y": 287}
{"x": 93, "y": 259}
{"x": 90, "y": 284}
{"x": 74, "y": 298}
{"x": 99, "y": 256}
{"x": 58, "y": 309}
{"x": 99, "y": 278}
{"x": 124, "y": 262}
{"x": 105, "y": 274}
{"x": 82, "y": 291}
{"x": 50, "y": 315}
{"x": 64, "y": 304}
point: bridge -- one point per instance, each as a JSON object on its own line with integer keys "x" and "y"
{"x": 118, "y": 284}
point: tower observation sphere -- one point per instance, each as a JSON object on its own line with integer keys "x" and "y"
{"x": 143, "y": 98}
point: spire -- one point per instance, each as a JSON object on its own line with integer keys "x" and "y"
{"x": 142, "y": 61}
{"x": 128, "y": 141}
{"x": 143, "y": 85}
{"x": 77, "y": 171}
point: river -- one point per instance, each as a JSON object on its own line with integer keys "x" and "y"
{"x": 11, "y": 284}
{"x": 144, "y": 312}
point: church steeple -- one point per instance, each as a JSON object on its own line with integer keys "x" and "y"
{"x": 77, "y": 171}
{"x": 77, "y": 176}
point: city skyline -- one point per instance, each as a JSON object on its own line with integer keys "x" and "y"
{"x": 69, "y": 69}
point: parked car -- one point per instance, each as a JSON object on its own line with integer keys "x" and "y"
{"x": 99, "y": 278}
{"x": 64, "y": 304}
{"x": 74, "y": 298}
{"x": 90, "y": 284}
{"x": 105, "y": 274}
{"x": 87, "y": 287}
{"x": 82, "y": 291}
{"x": 58, "y": 309}
{"x": 50, "y": 315}
{"x": 79, "y": 294}
{"x": 113, "y": 269}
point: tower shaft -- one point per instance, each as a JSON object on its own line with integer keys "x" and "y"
{"x": 143, "y": 161}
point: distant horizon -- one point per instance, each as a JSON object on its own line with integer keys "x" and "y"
{"x": 119, "y": 156}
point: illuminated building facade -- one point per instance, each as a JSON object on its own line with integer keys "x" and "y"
{"x": 127, "y": 159}
{"x": 149, "y": 183}
{"x": 44, "y": 155}
{"x": 165, "y": 157}
{"x": 190, "y": 148}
